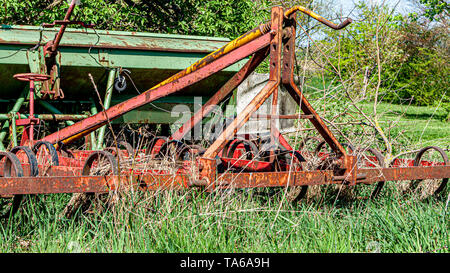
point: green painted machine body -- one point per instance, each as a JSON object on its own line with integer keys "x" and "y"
{"x": 151, "y": 58}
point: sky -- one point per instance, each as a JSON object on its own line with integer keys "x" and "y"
{"x": 404, "y": 6}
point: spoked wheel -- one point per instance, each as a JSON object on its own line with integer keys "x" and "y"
{"x": 122, "y": 144}
{"x": 372, "y": 159}
{"x": 46, "y": 156}
{"x": 242, "y": 149}
{"x": 99, "y": 163}
{"x": 155, "y": 145}
{"x": 26, "y": 156}
{"x": 293, "y": 162}
{"x": 11, "y": 168}
{"x": 23, "y": 152}
{"x": 428, "y": 156}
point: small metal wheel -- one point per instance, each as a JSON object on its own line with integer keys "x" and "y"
{"x": 155, "y": 145}
{"x": 26, "y": 156}
{"x": 173, "y": 149}
{"x": 120, "y": 83}
{"x": 428, "y": 187}
{"x": 242, "y": 149}
{"x": 125, "y": 145}
{"x": 99, "y": 163}
{"x": 294, "y": 162}
{"x": 27, "y": 77}
{"x": 369, "y": 158}
{"x": 46, "y": 155}
{"x": 11, "y": 168}
{"x": 31, "y": 158}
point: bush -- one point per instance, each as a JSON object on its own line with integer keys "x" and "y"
{"x": 226, "y": 18}
{"x": 413, "y": 57}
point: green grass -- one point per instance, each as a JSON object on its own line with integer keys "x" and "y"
{"x": 240, "y": 221}
{"x": 247, "y": 220}
{"x": 421, "y": 125}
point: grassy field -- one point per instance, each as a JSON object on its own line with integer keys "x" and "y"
{"x": 257, "y": 220}
{"x": 422, "y": 126}
{"x": 233, "y": 222}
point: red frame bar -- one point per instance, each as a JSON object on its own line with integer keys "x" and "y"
{"x": 86, "y": 126}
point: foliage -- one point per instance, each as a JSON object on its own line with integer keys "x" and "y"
{"x": 215, "y": 18}
{"x": 434, "y": 8}
{"x": 352, "y": 53}
{"x": 226, "y": 18}
{"x": 413, "y": 57}
{"x": 423, "y": 74}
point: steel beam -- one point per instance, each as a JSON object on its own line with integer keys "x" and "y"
{"x": 90, "y": 124}
{"x": 106, "y": 104}
{"x": 223, "y": 92}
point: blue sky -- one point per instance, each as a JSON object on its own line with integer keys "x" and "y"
{"x": 404, "y": 6}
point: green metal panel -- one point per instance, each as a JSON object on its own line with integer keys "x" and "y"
{"x": 29, "y": 35}
{"x": 150, "y": 57}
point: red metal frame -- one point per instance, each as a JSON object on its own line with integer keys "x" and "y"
{"x": 279, "y": 43}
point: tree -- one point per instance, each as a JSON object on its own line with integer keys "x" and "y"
{"x": 226, "y": 18}
{"x": 434, "y": 8}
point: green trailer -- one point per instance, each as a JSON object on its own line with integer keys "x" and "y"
{"x": 141, "y": 59}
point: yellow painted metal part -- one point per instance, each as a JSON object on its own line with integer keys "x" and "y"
{"x": 241, "y": 40}
{"x": 305, "y": 11}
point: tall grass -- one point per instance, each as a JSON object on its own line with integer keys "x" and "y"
{"x": 232, "y": 221}
{"x": 250, "y": 220}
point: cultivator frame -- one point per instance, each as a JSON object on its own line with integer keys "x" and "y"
{"x": 69, "y": 171}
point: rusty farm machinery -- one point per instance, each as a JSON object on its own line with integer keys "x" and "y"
{"x": 47, "y": 164}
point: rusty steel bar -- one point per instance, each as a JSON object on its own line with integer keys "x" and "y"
{"x": 99, "y": 184}
{"x": 316, "y": 16}
{"x": 404, "y": 173}
{"x": 266, "y": 91}
{"x": 274, "y": 179}
{"x": 84, "y": 127}
{"x": 53, "y": 45}
{"x": 223, "y": 92}
{"x": 296, "y": 93}
{"x": 56, "y": 184}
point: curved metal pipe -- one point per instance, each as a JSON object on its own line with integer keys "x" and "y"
{"x": 318, "y": 17}
{"x": 247, "y": 37}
